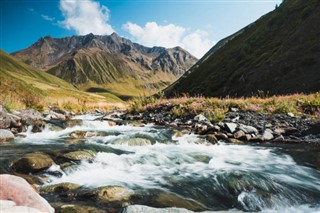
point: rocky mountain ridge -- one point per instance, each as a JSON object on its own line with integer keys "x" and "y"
{"x": 94, "y": 61}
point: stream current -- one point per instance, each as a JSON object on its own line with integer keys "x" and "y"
{"x": 218, "y": 177}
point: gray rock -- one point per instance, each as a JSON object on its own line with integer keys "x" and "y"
{"x": 267, "y": 135}
{"x": 28, "y": 115}
{"x": 230, "y": 127}
{"x": 4, "y": 118}
{"x": 200, "y": 118}
{"x": 248, "y": 129}
{"x": 55, "y": 116}
{"x": 5, "y": 135}
{"x": 15, "y": 121}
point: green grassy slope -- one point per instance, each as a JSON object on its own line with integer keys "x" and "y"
{"x": 278, "y": 54}
{"x": 22, "y": 85}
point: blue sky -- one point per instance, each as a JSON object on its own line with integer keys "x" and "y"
{"x": 195, "y": 25}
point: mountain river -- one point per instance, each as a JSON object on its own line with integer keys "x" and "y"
{"x": 223, "y": 176}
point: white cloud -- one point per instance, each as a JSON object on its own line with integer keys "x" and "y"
{"x": 170, "y": 35}
{"x": 85, "y": 17}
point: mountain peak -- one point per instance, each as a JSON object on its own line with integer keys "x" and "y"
{"x": 108, "y": 61}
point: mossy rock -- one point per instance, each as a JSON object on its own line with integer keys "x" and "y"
{"x": 33, "y": 162}
{"x": 133, "y": 142}
{"x": 73, "y": 123}
{"x": 80, "y": 155}
{"x": 165, "y": 199}
{"x": 107, "y": 194}
{"x": 60, "y": 187}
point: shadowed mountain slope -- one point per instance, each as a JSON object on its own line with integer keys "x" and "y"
{"x": 277, "y": 54}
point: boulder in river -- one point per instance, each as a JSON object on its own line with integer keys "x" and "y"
{"x": 18, "y": 190}
{"x": 133, "y": 142}
{"x": 80, "y": 155}
{"x": 61, "y": 187}
{"x": 73, "y": 123}
{"x": 33, "y": 162}
{"x": 164, "y": 199}
{"x": 5, "y": 135}
{"x": 107, "y": 194}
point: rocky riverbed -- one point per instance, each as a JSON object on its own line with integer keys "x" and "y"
{"x": 103, "y": 162}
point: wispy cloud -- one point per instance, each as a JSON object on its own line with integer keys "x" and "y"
{"x": 85, "y": 17}
{"x": 45, "y": 17}
{"x": 170, "y": 35}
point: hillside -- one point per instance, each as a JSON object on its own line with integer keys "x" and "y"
{"x": 277, "y": 54}
{"x": 23, "y": 86}
{"x": 108, "y": 63}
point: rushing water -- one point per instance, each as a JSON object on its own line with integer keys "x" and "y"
{"x": 219, "y": 177}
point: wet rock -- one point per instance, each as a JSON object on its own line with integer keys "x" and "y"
{"x": 107, "y": 194}
{"x": 234, "y": 141}
{"x": 221, "y": 136}
{"x": 246, "y": 137}
{"x": 33, "y": 162}
{"x": 112, "y": 123}
{"x": 84, "y": 134}
{"x": 80, "y": 155}
{"x": 230, "y": 127}
{"x": 32, "y": 179}
{"x": 5, "y": 135}
{"x": 180, "y": 132}
{"x": 37, "y": 125}
{"x": 267, "y": 135}
{"x": 5, "y": 120}
{"x": 60, "y": 187}
{"x": 18, "y": 190}
{"x": 239, "y": 134}
{"x": 71, "y": 208}
{"x": 73, "y": 123}
{"x": 133, "y": 142}
{"x": 164, "y": 199}
{"x": 212, "y": 138}
{"x": 200, "y": 128}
